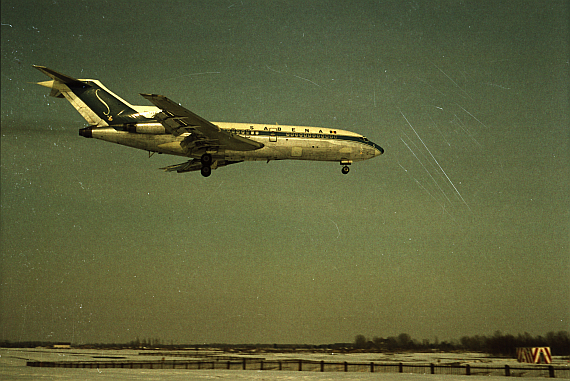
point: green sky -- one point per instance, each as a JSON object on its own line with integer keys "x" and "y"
{"x": 461, "y": 228}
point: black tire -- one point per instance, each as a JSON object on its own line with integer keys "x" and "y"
{"x": 206, "y": 159}
{"x": 206, "y": 171}
{"x": 345, "y": 170}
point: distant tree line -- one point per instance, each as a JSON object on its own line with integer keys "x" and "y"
{"x": 146, "y": 343}
{"x": 498, "y": 344}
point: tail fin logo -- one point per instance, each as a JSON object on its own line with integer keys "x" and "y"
{"x": 97, "y": 104}
{"x": 108, "y": 112}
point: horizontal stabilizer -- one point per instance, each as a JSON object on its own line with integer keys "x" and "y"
{"x": 69, "y": 81}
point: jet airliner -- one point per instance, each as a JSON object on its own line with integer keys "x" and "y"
{"x": 169, "y": 128}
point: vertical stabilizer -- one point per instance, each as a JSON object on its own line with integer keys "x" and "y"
{"x": 97, "y": 104}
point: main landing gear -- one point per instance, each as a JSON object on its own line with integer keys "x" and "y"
{"x": 206, "y": 160}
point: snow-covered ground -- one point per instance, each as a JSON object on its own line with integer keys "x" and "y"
{"x": 13, "y": 366}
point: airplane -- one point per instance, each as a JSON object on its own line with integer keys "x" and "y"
{"x": 169, "y": 128}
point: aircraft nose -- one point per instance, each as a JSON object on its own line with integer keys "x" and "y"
{"x": 378, "y": 150}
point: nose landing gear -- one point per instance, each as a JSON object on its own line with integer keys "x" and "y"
{"x": 346, "y": 163}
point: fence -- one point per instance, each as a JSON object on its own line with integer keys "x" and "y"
{"x": 318, "y": 366}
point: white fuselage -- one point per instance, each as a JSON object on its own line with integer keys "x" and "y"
{"x": 280, "y": 142}
{"x": 167, "y": 127}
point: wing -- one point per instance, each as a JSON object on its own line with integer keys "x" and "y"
{"x": 203, "y": 134}
{"x": 196, "y": 165}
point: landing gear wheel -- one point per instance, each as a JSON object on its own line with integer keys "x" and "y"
{"x": 206, "y": 160}
{"x": 345, "y": 170}
{"x": 206, "y": 171}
